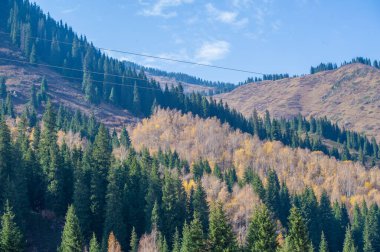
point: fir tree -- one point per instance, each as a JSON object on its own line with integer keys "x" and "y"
{"x": 200, "y": 205}
{"x": 32, "y": 56}
{"x": 298, "y": 233}
{"x": 94, "y": 245}
{"x": 9, "y": 106}
{"x": 262, "y": 231}
{"x": 72, "y": 240}
{"x": 349, "y": 244}
{"x": 124, "y": 138}
{"x": 134, "y": 244}
{"x": 176, "y": 241}
{"x": 3, "y": 88}
{"x": 221, "y": 237}
{"x": 11, "y": 238}
{"x": 323, "y": 247}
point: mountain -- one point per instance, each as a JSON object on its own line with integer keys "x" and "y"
{"x": 349, "y": 95}
{"x": 62, "y": 91}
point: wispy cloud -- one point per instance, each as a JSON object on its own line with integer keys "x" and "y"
{"x": 70, "y": 10}
{"x": 160, "y": 7}
{"x": 227, "y": 17}
{"x": 211, "y": 51}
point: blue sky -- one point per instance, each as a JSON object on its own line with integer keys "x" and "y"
{"x": 268, "y": 36}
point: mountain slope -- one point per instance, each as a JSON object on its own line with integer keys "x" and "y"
{"x": 349, "y": 96}
{"x": 20, "y": 78}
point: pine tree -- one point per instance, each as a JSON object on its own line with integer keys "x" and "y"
{"x": 262, "y": 231}
{"x": 323, "y": 247}
{"x": 221, "y": 237}
{"x": 11, "y": 238}
{"x": 134, "y": 244}
{"x": 71, "y": 236}
{"x": 298, "y": 233}
{"x": 94, "y": 245}
{"x": 349, "y": 244}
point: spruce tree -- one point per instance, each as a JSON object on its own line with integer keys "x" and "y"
{"x": 134, "y": 244}
{"x": 200, "y": 205}
{"x": 124, "y": 138}
{"x": 136, "y": 100}
{"x": 272, "y": 193}
{"x": 11, "y": 238}
{"x": 72, "y": 240}
{"x": 221, "y": 237}
{"x": 349, "y": 244}
{"x": 94, "y": 245}
{"x": 298, "y": 234}
{"x": 33, "y": 97}
{"x": 32, "y": 56}
{"x": 262, "y": 231}
{"x": 9, "y": 106}
{"x": 323, "y": 247}
{"x": 177, "y": 241}
{"x": 3, "y": 88}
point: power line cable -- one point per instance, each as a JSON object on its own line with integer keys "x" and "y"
{"x": 153, "y": 57}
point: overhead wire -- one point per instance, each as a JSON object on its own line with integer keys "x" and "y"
{"x": 151, "y": 56}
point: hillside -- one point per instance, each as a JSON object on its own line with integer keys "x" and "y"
{"x": 348, "y": 95}
{"x": 20, "y": 78}
{"x": 195, "y": 138}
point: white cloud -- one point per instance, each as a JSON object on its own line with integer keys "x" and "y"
{"x": 211, "y": 51}
{"x": 159, "y": 8}
{"x": 227, "y": 17}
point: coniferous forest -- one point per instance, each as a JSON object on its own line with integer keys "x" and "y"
{"x": 96, "y": 192}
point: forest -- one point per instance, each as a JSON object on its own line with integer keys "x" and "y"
{"x": 193, "y": 175}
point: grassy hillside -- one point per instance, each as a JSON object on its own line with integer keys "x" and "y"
{"x": 348, "y": 95}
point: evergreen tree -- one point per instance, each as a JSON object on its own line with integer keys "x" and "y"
{"x": 33, "y": 97}
{"x": 221, "y": 237}
{"x": 136, "y": 100}
{"x": 114, "y": 207}
{"x": 200, "y": 205}
{"x": 192, "y": 237}
{"x": 134, "y": 241}
{"x": 94, "y": 245}
{"x": 176, "y": 240}
{"x": 298, "y": 233}
{"x": 3, "y": 88}
{"x": 9, "y": 106}
{"x": 72, "y": 240}
{"x": 262, "y": 231}
{"x": 124, "y": 138}
{"x": 32, "y": 56}
{"x": 113, "y": 98}
{"x": 323, "y": 247}
{"x": 272, "y": 196}
{"x": 371, "y": 230}
{"x": 349, "y": 244}
{"x": 328, "y": 221}
{"x": 101, "y": 161}
{"x": 11, "y": 238}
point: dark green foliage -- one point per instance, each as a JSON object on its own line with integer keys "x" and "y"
{"x": 124, "y": 138}
{"x": 3, "y": 88}
{"x": 272, "y": 193}
{"x": 221, "y": 237}
{"x": 262, "y": 231}
{"x": 192, "y": 236}
{"x": 371, "y": 235}
{"x": 298, "y": 237}
{"x": 200, "y": 205}
{"x": 72, "y": 240}
{"x": 11, "y": 238}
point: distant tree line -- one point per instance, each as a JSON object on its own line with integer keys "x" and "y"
{"x": 272, "y": 77}
{"x": 331, "y": 66}
{"x": 220, "y": 87}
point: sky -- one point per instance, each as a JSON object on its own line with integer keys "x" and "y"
{"x": 266, "y": 36}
